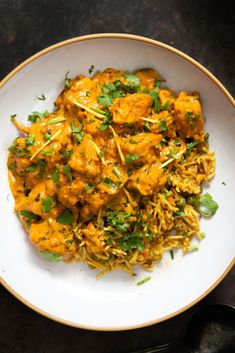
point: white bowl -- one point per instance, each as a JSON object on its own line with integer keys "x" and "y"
{"x": 70, "y": 293}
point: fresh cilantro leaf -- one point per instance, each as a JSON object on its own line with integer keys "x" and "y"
{"x": 206, "y": 137}
{"x": 192, "y": 116}
{"x": 42, "y": 98}
{"x": 46, "y": 205}
{"x": 166, "y": 106}
{"x": 29, "y": 217}
{"x": 177, "y": 142}
{"x": 31, "y": 168}
{"x": 133, "y": 81}
{"x": 106, "y": 122}
{"x": 133, "y": 242}
{"x": 108, "y": 87}
{"x": 67, "y": 81}
{"x": 179, "y": 214}
{"x": 30, "y": 141}
{"x": 42, "y": 166}
{"x": 105, "y": 100}
{"x": 35, "y": 117}
{"x": 191, "y": 145}
{"x": 156, "y": 100}
{"x": 101, "y": 154}
{"x": 119, "y": 220}
{"x": 162, "y": 125}
{"x": 77, "y": 132}
{"x": 11, "y": 165}
{"x": 66, "y": 154}
{"x": 47, "y": 136}
{"x": 67, "y": 172}
{"x": 89, "y": 188}
{"x": 133, "y": 141}
{"x": 65, "y": 217}
{"x": 92, "y": 68}
{"x": 131, "y": 157}
{"x": 55, "y": 176}
{"x": 13, "y": 116}
{"x": 110, "y": 183}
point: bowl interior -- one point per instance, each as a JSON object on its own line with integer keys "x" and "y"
{"x": 71, "y": 292}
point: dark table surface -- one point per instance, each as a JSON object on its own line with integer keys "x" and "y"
{"x": 204, "y": 30}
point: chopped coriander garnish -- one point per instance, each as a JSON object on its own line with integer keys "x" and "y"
{"x": 77, "y": 132}
{"x": 142, "y": 281}
{"x": 30, "y": 140}
{"x": 166, "y": 106}
{"x": 223, "y": 183}
{"x": 65, "y": 217}
{"x": 67, "y": 172}
{"x": 29, "y": 217}
{"x": 110, "y": 183}
{"x": 156, "y": 100}
{"x": 42, "y": 98}
{"x": 56, "y": 120}
{"x": 162, "y": 125}
{"x": 105, "y": 100}
{"x": 42, "y": 166}
{"x": 106, "y": 122}
{"x": 31, "y": 168}
{"x": 48, "y": 256}
{"x": 163, "y": 142}
{"x": 179, "y": 214}
{"x": 91, "y": 69}
{"x": 101, "y": 154}
{"x": 133, "y": 81}
{"x": 46, "y": 205}
{"x": 55, "y": 176}
{"x": 146, "y": 126}
{"x": 89, "y": 188}
{"x": 206, "y": 137}
{"x": 131, "y": 157}
{"x": 66, "y": 154}
{"x": 119, "y": 220}
{"x": 11, "y": 165}
{"x": 67, "y": 81}
{"x": 192, "y": 116}
{"x": 191, "y": 145}
{"x": 47, "y": 136}
{"x": 133, "y": 141}
{"x": 172, "y": 254}
{"x": 177, "y": 142}
{"x": 13, "y": 116}
{"x": 35, "y": 117}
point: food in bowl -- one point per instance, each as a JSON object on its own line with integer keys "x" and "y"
{"x": 112, "y": 177}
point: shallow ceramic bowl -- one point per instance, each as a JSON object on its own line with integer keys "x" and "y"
{"x": 70, "y": 293}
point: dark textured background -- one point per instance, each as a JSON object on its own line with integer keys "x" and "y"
{"x": 204, "y": 29}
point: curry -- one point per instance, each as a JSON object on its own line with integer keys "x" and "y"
{"x": 112, "y": 177}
